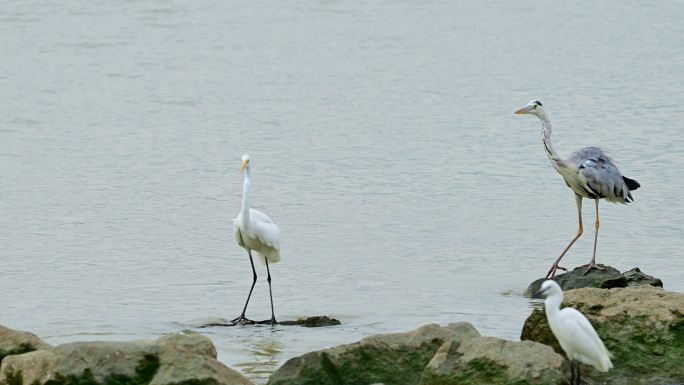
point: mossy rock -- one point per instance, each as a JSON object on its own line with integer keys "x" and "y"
{"x": 643, "y": 327}
{"x": 17, "y": 342}
{"x": 387, "y": 358}
{"x": 186, "y": 358}
{"x": 493, "y": 361}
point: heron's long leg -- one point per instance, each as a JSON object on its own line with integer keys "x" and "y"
{"x": 592, "y": 264}
{"x": 254, "y": 274}
{"x": 270, "y": 293}
{"x": 580, "y": 230}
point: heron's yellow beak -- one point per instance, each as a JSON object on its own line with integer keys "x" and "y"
{"x": 521, "y": 111}
{"x": 244, "y": 165}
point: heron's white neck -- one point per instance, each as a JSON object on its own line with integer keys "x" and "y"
{"x": 546, "y": 138}
{"x": 552, "y": 305}
{"x": 245, "y": 198}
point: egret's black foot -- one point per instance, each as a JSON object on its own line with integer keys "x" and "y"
{"x": 589, "y": 266}
{"x": 553, "y": 269}
{"x": 242, "y": 320}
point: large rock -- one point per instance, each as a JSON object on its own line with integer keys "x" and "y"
{"x": 181, "y": 358}
{"x": 493, "y": 361}
{"x": 642, "y": 326}
{"x": 602, "y": 279}
{"x": 18, "y": 342}
{"x": 386, "y": 358}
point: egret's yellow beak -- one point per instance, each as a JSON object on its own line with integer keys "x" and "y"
{"x": 244, "y": 165}
{"x": 521, "y": 111}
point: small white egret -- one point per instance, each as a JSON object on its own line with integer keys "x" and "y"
{"x": 574, "y": 333}
{"x": 590, "y": 173}
{"x": 254, "y": 230}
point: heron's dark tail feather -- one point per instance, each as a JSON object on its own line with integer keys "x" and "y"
{"x": 631, "y": 183}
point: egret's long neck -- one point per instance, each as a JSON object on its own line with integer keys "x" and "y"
{"x": 552, "y": 305}
{"x": 245, "y": 198}
{"x": 546, "y": 138}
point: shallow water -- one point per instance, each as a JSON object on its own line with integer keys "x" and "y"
{"x": 383, "y": 144}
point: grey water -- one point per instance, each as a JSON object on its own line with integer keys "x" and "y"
{"x": 383, "y": 143}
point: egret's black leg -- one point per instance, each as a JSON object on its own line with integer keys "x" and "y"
{"x": 579, "y": 382}
{"x": 270, "y": 293}
{"x": 254, "y": 274}
{"x": 572, "y": 372}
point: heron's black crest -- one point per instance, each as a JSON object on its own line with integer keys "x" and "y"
{"x": 537, "y": 102}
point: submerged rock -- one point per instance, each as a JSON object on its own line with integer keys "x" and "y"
{"x": 313, "y": 322}
{"x": 309, "y": 322}
{"x": 493, "y": 361}
{"x": 181, "y": 358}
{"x": 602, "y": 279}
{"x": 18, "y": 342}
{"x": 397, "y": 358}
{"x": 643, "y": 327}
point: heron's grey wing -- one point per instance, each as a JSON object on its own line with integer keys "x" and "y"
{"x": 599, "y": 175}
{"x": 583, "y": 154}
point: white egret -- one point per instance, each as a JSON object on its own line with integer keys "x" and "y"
{"x": 255, "y": 231}
{"x": 590, "y": 173}
{"x": 574, "y": 333}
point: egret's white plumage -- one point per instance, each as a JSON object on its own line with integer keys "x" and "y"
{"x": 573, "y": 331}
{"x": 589, "y": 172}
{"x": 254, "y": 230}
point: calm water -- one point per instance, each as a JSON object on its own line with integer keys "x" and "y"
{"x": 383, "y": 143}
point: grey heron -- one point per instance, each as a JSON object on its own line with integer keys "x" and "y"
{"x": 589, "y": 172}
{"x": 574, "y": 333}
{"x": 254, "y": 230}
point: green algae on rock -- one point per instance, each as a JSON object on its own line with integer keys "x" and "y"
{"x": 643, "y": 327}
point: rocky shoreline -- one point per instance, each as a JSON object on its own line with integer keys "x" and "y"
{"x": 640, "y": 323}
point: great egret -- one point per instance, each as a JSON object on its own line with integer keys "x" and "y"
{"x": 254, "y": 230}
{"x": 574, "y": 333}
{"x": 589, "y": 172}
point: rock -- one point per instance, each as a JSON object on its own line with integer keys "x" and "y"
{"x": 643, "y": 327}
{"x": 607, "y": 279}
{"x": 397, "y": 358}
{"x": 18, "y": 342}
{"x": 493, "y": 361}
{"x": 309, "y": 322}
{"x": 181, "y": 358}
{"x": 313, "y": 322}
{"x": 636, "y": 278}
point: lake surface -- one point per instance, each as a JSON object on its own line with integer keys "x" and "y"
{"x": 383, "y": 143}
